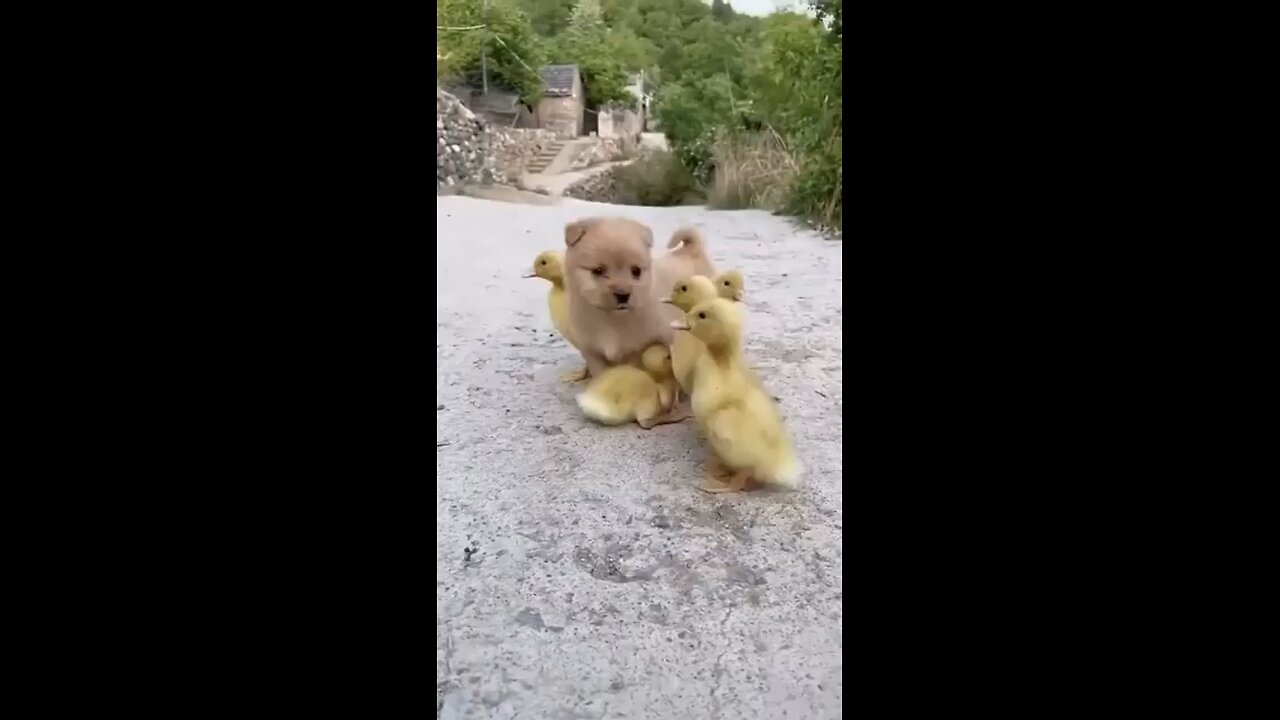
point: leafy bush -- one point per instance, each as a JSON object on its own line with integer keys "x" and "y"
{"x": 819, "y": 188}
{"x": 656, "y": 178}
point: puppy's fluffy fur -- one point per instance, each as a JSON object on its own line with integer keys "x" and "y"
{"x": 615, "y": 287}
{"x": 689, "y": 257}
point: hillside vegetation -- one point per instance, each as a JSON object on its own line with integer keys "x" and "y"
{"x": 751, "y": 107}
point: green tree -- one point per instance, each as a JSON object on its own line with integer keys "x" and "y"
{"x": 706, "y": 50}
{"x": 548, "y": 17}
{"x": 599, "y": 54}
{"x": 587, "y": 16}
{"x": 633, "y": 52}
{"x": 830, "y": 11}
{"x": 510, "y": 50}
{"x": 796, "y": 90}
{"x": 622, "y": 14}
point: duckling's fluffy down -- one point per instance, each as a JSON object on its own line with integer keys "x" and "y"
{"x": 601, "y": 410}
{"x": 618, "y": 394}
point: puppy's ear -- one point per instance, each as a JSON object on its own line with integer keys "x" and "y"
{"x": 574, "y": 231}
{"x": 647, "y": 235}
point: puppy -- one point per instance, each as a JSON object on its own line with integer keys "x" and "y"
{"x": 615, "y": 287}
{"x": 690, "y": 258}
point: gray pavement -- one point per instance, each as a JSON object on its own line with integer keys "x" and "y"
{"x": 580, "y": 573}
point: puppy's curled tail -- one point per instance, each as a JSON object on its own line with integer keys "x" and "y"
{"x": 690, "y": 237}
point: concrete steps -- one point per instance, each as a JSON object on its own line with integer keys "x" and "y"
{"x": 545, "y": 158}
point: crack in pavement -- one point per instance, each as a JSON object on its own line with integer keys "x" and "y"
{"x": 718, "y": 672}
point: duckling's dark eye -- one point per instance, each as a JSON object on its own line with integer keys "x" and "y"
{"x": 597, "y": 271}
{"x": 684, "y": 288}
{"x": 702, "y": 316}
{"x": 726, "y": 283}
{"x": 544, "y": 262}
{"x": 635, "y": 271}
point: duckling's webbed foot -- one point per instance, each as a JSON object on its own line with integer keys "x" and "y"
{"x": 674, "y": 415}
{"x": 737, "y": 482}
{"x": 575, "y": 375}
{"x": 717, "y": 469}
{"x": 717, "y": 472}
{"x": 681, "y": 407}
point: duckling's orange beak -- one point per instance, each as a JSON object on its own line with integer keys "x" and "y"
{"x": 737, "y": 294}
{"x": 668, "y": 301}
{"x": 530, "y": 275}
{"x": 679, "y": 325}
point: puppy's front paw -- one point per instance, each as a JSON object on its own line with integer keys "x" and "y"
{"x": 575, "y": 375}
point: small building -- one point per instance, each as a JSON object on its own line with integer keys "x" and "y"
{"x": 619, "y": 122}
{"x": 499, "y": 107}
{"x": 563, "y": 100}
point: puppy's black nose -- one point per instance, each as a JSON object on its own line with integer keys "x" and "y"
{"x": 622, "y": 297}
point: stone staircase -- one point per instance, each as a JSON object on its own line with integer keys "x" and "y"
{"x": 545, "y": 158}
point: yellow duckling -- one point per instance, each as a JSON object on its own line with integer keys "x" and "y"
{"x": 740, "y": 419}
{"x": 624, "y": 392}
{"x": 730, "y": 285}
{"x": 685, "y": 348}
{"x": 550, "y": 266}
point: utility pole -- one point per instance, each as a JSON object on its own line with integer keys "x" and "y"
{"x": 644, "y": 105}
{"x": 484, "y": 49}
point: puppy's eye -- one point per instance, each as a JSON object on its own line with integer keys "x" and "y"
{"x": 702, "y": 316}
{"x": 635, "y": 271}
{"x": 684, "y": 288}
{"x": 598, "y": 270}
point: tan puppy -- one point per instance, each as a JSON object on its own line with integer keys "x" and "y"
{"x": 690, "y": 258}
{"x": 615, "y": 286}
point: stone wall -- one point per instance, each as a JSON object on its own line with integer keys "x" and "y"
{"x": 469, "y": 151}
{"x": 514, "y": 148}
{"x": 464, "y": 154}
{"x": 601, "y": 150}
{"x": 597, "y": 187}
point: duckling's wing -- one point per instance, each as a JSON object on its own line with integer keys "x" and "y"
{"x": 558, "y": 303}
{"x": 724, "y": 427}
{"x": 735, "y": 434}
{"x": 776, "y": 458}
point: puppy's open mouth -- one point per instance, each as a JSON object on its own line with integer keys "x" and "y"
{"x": 624, "y": 306}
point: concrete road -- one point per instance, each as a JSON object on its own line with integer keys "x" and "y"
{"x": 580, "y": 573}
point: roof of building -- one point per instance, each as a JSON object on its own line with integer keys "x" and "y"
{"x": 558, "y": 79}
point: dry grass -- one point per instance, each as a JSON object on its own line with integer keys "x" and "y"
{"x": 751, "y": 171}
